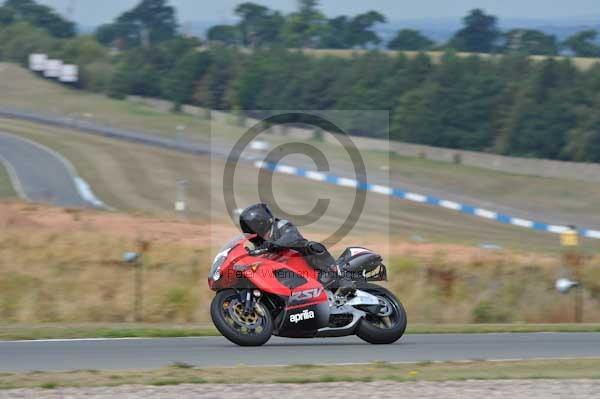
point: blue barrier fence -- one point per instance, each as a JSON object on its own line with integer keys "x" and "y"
{"x": 424, "y": 199}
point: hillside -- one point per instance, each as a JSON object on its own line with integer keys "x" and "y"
{"x": 133, "y": 177}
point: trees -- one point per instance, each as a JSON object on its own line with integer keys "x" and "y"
{"x": 361, "y": 32}
{"x": 542, "y": 111}
{"x": 307, "y": 27}
{"x": 410, "y": 40}
{"x": 177, "y": 85}
{"x": 343, "y": 32}
{"x": 480, "y": 34}
{"x": 514, "y": 104}
{"x": 252, "y": 18}
{"x": 37, "y": 15}
{"x": 304, "y": 27}
{"x": 530, "y": 42}
{"x": 228, "y": 35}
{"x": 7, "y": 16}
{"x": 20, "y": 39}
{"x": 453, "y": 108}
{"x": 258, "y": 26}
{"x": 336, "y": 33}
{"x": 583, "y": 44}
{"x": 583, "y": 141}
{"x": 150, "y": 22}
{"x": 82, "y": 50}
{"x": 215, "y": 89}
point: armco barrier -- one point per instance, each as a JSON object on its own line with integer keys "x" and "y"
{"x": 424, "y": 199}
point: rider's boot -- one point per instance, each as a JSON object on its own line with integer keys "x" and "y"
{"x": 346, "y": 286}
{"x": 338, "y": 282}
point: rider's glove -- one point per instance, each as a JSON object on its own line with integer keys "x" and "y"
{"x": 269, "y": 246}
{"x": 316, "y": 247}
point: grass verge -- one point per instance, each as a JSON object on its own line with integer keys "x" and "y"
{"x": 126, "y": 330}
{"x": 6, "y": 188}
{"x": 180, "y": 373}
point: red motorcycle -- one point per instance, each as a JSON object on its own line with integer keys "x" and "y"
{"x": 260, "y": 294}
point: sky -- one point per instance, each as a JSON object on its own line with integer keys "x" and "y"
{"x": 94, "y": 12}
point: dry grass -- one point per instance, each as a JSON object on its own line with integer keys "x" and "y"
{"x": 501, "y": 288}
{"x": 81, "y": 278}
{"x": 64, "y": 266}
{"x": 580, "y": 62}
{"x": 378, "y": 371}
{"x": 555, "y": 200}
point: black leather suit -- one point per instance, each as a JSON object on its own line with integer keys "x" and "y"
{"x": 284, "y": 235}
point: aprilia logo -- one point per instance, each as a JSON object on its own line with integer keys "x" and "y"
{"x": 305, "y": 315}
{"x": 301, "y": 296}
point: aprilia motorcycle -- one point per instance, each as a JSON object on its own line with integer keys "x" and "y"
{"x": 260, "y": 294}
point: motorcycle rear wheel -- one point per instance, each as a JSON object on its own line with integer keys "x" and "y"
{"x": 244, "y": 329}
{"x": 377, "y": 329}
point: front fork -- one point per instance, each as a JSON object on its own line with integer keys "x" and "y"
{"x": 250, "y": 299}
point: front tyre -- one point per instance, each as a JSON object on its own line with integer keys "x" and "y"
{"x": 389, "y": 324}
{"x": 242, "y": 328}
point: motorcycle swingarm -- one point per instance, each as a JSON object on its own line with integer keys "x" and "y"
{"x": 361, "y": 298}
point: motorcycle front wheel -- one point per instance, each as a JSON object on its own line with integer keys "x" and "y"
{"x": 389, "y": 324}
{"x": 243, "y": 328}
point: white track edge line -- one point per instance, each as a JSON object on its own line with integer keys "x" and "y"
{"x": 14, "y": 178}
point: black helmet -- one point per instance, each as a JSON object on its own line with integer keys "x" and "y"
{"x": 256, "y": 219}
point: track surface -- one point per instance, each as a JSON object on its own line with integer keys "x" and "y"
{"x": 216, "y": 351}
{"x": 39, "y": 174}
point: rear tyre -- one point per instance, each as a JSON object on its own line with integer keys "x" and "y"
{"x": 389, "y": 324}
{"x": 244, "y": 329}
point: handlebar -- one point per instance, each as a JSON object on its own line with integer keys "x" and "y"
{"x": 258, "y": 252}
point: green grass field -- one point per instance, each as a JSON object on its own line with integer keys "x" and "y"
{"x": 6, "y": 188}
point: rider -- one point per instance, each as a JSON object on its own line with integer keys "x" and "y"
{"x": 277, "y": 234}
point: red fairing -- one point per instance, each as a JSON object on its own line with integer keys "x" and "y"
{"x": 263, "y": 271}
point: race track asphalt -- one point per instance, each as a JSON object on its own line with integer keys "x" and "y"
{"x": 216, "y": 351}
{"x": 38, "y": 173}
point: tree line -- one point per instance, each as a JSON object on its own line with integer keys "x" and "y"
{"x": 507, "y": 105}
{"x": 260, "y": 26}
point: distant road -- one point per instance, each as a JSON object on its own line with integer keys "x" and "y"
{"x": 216, "y": 351}
{"x": 39, "y": 174}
